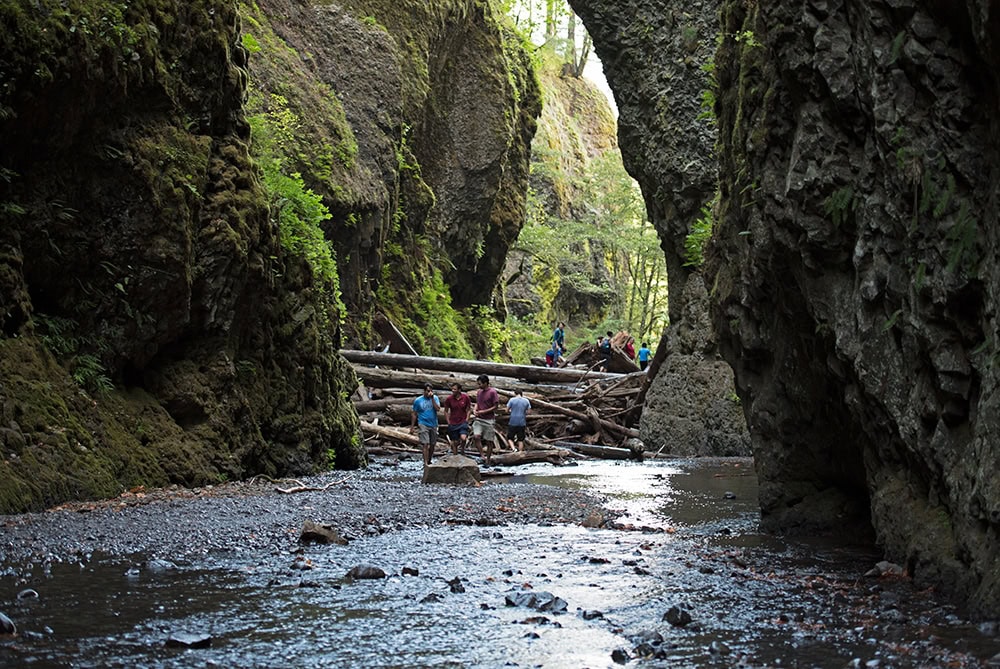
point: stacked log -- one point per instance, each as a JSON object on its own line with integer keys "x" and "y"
{"x": 575, "y": 412}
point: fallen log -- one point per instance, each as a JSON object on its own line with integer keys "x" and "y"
{"x": 390, "y": 433}
{"x": 387, "y": 378}
{"x": 604, "y": 452}
{"x": 555, "y": 457}
{"x": 475, "y": 367}
{"x": 609, "y": 425}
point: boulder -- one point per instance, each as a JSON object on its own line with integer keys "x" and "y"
{"x": 453, "y": 469}
{"x": 320, "y": 534}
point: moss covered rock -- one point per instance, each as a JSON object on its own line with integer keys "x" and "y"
{"x": 156, "y": 328}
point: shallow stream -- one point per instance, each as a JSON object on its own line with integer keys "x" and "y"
{"x": 690, "y": 542}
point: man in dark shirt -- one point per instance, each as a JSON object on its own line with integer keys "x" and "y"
{"x": 456, "y": 409}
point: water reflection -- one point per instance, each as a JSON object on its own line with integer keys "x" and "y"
{"x": 756, "y": 601}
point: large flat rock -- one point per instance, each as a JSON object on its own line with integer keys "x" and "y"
{"x": 453, "y": 469}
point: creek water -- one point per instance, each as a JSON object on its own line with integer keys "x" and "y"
{"x": 689, "y": 540}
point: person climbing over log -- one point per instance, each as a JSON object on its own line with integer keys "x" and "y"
{"x": 518, "y": 406}
{"x": 424, "y": 415}
{"x": 484, "y": 417}
{"x": 456, "y": 410}
{"x": 604, "y": 347}
{"x": 629, "y": 348}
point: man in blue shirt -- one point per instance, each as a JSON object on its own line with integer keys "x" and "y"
{"x": 518, "y": 423}
{"x": 425, "y": 415}
{"x": 644, "y": 355}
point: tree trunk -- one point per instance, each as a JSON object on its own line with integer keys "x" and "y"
{"x": 524, "y": 372}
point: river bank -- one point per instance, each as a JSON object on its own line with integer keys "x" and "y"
{"x": 500, "y": 574}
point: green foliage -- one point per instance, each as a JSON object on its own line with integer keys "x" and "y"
{"x": 88, "y": 372}
{"x": 708, "y": 95}
{"x": 59, "y": 335}
{"x": 299, "y": 211}
{"x": 840, "y": 205}
{"x": 697, "y": 239}
{"x": 891, "y": 321}
{"x": 250, "y": 43}
{"x": 897, "y": 46}
{"x": 963, "y": 236}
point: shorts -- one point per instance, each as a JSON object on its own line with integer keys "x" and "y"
{"x": 427, "y": 434}
{"x": 643, "y": 364}
{"x": 484, "y": 428}
{"x": 455, "y": 432}
{"x": 515, "y": 432}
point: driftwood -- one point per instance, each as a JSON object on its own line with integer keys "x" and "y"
{"x": 596, "y": 409}
{"x": 553, "y": 456}
{"x": 392, "y": 338}
{"x": 475, "y": 367}
{"x": 401, "y": 436}
{"x": 379, "y": 377}
{"x": 614, "y": 427}
{"x": 605, "y": 452}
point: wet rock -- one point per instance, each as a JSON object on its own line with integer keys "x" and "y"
{"x": 729, "y": 495}
{"x": 454, "y": 470}
{"x": 7, "y": 625}
{"x": 411, "y": 571}
{"x": 885, "y": 568}
{"x": 532, "y": 635}
{"x": 456, "y": 585}
{"x": 158, "y": 566}
{"x": 302, "y": 564}
{"x": 28, "y": 593}
{"x": 677, "y": 616}
{"x": 598, "y": 560}
{"x": 540, "y": 601}
{"x": 718, "y": 648}
{"x": 318, "y": 533}
{"x": 644, "y": 650}
{"x": 592, "y": 615}
{"x": 190, "y": 640}
{"x": 594, "y": 519}
{"x": 132, "y": 572}
{"x": 651, "y": 637}
{"x": 619, "y": 656}
{"x": 431, "y": 597}
{"x": 365, "y": 571}
{"x": 541, "y": 620}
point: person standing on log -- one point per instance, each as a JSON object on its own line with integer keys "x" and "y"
{"x": 518, "y": 406}
{"x": 484, "y": 417}
{"x": 425, "y": 416}
{"x": 456, "y": 409}
{"x": 559, "y": 338}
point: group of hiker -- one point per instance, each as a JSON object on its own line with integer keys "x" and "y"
{"x": 557, "y": 347}
{"x": 458, "y": 408}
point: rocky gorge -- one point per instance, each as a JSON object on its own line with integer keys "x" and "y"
{"x": 166, "y": 317}
{"x": 852, "y": 273}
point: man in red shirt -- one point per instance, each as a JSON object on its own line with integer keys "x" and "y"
{"x": 484, "y": 416}
{"x": 456, "y": 409}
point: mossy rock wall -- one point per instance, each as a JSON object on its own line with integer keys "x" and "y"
{"x": 137, "y": 250}
{"x": 439, "y": 101}
{"x": 577, "y": 126}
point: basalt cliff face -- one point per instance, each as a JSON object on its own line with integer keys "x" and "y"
{"x": 657, "y": 63}
{"x": 160, "y": 321}
{"x": 854, "y": 269}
